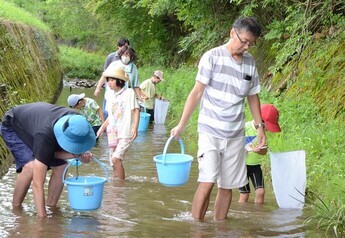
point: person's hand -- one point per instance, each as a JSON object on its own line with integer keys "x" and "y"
{"x": 176, "y": 131}
{"x": 262, "y": 150}
{"x": 162, "y": 98}
{"x": 134, "y": 134}
{"x": 96, "y": 93}
{"x": 261, "y": 139}
{"x": 86, "y": 157}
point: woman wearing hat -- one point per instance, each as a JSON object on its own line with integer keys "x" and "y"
{"x": 42, "y": 136}
{"x": 126, "y": 60}
{"x": 123, "y": 117}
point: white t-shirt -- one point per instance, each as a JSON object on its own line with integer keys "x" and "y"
{"x": 119, "y": 108}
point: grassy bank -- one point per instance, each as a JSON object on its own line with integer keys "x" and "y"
{"x": 10, "y": 12}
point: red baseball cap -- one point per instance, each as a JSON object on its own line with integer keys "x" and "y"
{"x": 270, "y": 116}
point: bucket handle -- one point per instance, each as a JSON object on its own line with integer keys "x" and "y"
{"x": 167, "y": 145}
{"x": 95, "y": 159}
{"x": 143, "y": 105}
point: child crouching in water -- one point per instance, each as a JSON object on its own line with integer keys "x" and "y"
{"x": 123, "y": 118}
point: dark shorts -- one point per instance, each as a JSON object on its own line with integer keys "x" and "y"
{"x": 254, "y": 174}
{"x": 95, "y": 129}
{"x": 21, "y": 152}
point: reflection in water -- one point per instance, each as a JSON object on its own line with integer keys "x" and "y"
{"x": 140, "y": 206}
{"x": 81, "y": 225}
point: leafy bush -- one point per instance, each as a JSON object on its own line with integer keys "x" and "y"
{"x": 77, "y": 63}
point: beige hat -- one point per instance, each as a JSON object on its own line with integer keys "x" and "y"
{"x": 159, "y": 74}
{"x": 115, "y": 71}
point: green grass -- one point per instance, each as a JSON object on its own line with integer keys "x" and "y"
{"x": 77, "y": 63}
{"x": 9, "y": 11}
{"x": 329, "y": 217}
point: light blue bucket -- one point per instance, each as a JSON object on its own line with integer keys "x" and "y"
{"x": 85, "y": 192}
{"x": 144, "y": 120}
{"x": 173, "y": 169}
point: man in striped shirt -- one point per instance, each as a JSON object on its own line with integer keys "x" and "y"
{"x": 227, "y": 75}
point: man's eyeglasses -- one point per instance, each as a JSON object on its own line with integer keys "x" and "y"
{"x": 250, "y": 44}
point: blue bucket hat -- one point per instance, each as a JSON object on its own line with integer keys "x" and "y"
{"x": 74, "y": 134}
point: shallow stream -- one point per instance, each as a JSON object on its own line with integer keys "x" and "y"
{"x": 140, "y": 206}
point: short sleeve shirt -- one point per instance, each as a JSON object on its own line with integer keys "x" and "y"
{"x": 119, "y": 109}
{"x": 251, "y": 134}
{"x": 222, "y": 104}
{"x": 89, "y": 111}
{"x": 34, "y": 123}
{"x": 149, "y": 89}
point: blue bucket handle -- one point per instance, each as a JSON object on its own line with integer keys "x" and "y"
{"x": 145, "y": 113}
{"x": 75, "y": 162}
{"x": 167, "y": 145}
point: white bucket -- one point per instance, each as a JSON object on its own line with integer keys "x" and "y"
{"x": 160, "y": 111}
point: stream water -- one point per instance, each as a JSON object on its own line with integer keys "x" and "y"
{"x": 140, "y": 206}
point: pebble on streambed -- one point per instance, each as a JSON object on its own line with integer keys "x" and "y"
{"x": 79, "y": 83}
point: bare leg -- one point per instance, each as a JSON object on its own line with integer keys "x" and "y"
{"x": 111, "y": 151}
{"x": 22, "y": 185}
{"x": 119, "y": 171}
{"x": 201, "y": 200}
{"x": 55, "y": 185}
{"x": 259, "y": 195}
{"x": 222, "y": 204}
{"x": 244, "y": 197}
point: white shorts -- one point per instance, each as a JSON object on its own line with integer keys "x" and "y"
{"x": 121, "y": 149}
{"x": 222, "y": 161}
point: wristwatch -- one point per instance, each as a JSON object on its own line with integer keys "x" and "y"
{"x": 260, "y": 125}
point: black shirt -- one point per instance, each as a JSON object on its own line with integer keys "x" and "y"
{"x": 34, "y": 123}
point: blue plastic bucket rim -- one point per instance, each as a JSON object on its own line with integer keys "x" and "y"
{"x": 183, "y": 158}
{"x": 93, "y": 159}
{"x": 144, "y": 114}
{"x": 81, "y": 181}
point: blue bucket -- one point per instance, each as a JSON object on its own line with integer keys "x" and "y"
{"x": 144, "y": 120}
{"x": 85, "y": 192}
{"x": 173, "y": 169}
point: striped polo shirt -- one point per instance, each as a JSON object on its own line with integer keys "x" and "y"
{"x": 221, "y": 111}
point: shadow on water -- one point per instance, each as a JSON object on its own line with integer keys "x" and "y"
{"x": 141, "y": 206}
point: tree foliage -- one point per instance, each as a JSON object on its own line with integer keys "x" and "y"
{"x": 174, "y": 32}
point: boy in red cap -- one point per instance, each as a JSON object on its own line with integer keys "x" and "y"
{"x": 270, "y": 116}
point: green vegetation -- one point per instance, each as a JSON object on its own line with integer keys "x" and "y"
{"x": 77, "y": 63}
{"x": 9, "y": 11}
{"x": 29, "y": 69}
{"x": 329, "y": 217}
